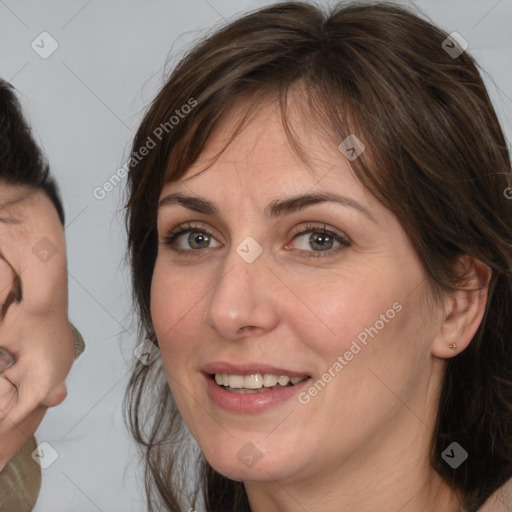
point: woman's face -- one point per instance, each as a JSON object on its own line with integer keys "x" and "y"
{"x": 269, "y": 286}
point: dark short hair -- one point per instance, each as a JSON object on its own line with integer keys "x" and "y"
{"x": 436, "y": 157}
{"x": 21, "y": 161}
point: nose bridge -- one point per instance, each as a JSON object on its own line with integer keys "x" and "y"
{"x": 241, "y": 297}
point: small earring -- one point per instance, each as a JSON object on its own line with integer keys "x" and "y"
{"x": 453, "y": 346}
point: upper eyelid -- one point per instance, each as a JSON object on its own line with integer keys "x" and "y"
{"x": 283, "y": 210}
{"x": 188, "y": 226}
{"x": 341, "y": 238}
{"x": 197, "y": 224}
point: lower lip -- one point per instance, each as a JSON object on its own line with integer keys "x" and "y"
{"x": 251, "y": 402}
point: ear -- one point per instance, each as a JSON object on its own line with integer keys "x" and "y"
{"x": 463, "y": 309}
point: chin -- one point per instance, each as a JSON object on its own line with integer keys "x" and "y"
{"x": 260, "y": 472}
{"x": 250, "y": 463}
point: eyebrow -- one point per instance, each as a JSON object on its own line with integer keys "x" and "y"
{"x": 277, "y": 208}
{"x": 9, "y": 220}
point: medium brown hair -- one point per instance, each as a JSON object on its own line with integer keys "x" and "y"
{"x": 436, "y": 156}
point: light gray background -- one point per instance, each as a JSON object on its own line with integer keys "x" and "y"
{"x": 85, "y": 102}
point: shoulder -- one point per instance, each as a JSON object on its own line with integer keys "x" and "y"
{"x": 500, "y": 501}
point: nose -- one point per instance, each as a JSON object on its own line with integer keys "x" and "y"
{"x": 244, "y": 300}
{"x": 56, "y": 396}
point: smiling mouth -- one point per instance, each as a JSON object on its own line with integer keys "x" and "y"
{"x": 255, "y": 382}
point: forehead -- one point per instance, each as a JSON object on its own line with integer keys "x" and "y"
{"x": 262, "y": 155}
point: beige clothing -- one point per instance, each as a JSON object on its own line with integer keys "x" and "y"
{"x": 20, "y": 481}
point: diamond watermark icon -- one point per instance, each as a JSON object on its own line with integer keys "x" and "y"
{"x": 44, "y": 250}
{"x": 454, "y": 455}
{"x": 45, "y": 455}
{"x": 146, "y": 352}
{"x": 249, "y": 455}
{"x": 44, "y": 45}
{"x": 249, "y": 249}
{"x": 352, "y": 147}
{"x": 454, "y": 45}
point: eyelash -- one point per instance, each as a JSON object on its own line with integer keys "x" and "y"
{"x": 171, "y": 237}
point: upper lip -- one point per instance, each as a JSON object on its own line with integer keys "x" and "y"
{"x": 248, "y": 369}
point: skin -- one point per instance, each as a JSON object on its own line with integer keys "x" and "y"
{"x": 367, "y": 434}
{"x": 35, "y": 330}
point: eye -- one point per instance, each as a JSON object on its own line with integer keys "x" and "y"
{"x": 321, "y": 239}
{"x": 198, "y": 238}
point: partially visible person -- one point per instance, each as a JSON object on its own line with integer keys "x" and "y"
{"x": 37, "y": 342}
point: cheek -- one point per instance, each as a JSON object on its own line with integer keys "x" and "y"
{"x": 174, "y": 309}
{"x": 173, "y": 312}
{"x": 165, "y": 297}
{"x": 370, "y": 319}
{"x": 339, "y": 306}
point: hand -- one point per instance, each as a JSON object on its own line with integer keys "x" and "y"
{"x": 34, "y": 326}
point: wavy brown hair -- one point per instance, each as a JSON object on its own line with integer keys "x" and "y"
{"x": 436, "y": 156}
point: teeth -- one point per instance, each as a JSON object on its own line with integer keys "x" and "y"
{"x": 283, "y": 380}
{"x": 255, "y": 380}
{"x": 235, "y": 381}
{"x": 269, "y": 380}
